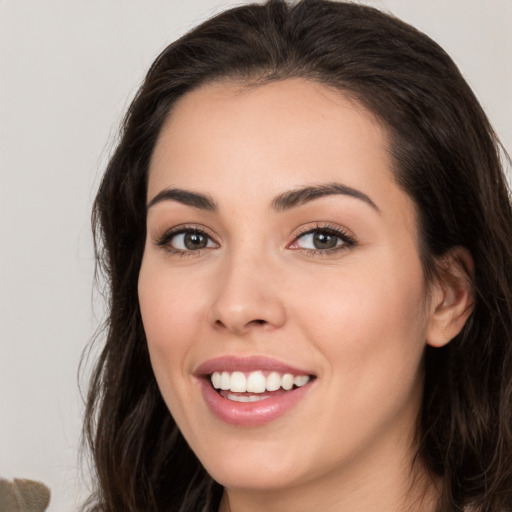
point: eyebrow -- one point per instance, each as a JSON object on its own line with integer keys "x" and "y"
{"x": 282, "y": 202}
{"x": 304, "y": 195}
{"x": 194, "y": 199}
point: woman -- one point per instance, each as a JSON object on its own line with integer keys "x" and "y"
{"x": 306, "y": 231}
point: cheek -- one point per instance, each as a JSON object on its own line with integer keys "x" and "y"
{"x": 170, "y": 308}
{"x": 168, "y": 302}
{"x": 368, "y": 321}
{"x": 368, "y": 327}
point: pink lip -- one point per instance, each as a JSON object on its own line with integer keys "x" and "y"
{"x": 247, "y": 364}
{"x": 249, "y": 414}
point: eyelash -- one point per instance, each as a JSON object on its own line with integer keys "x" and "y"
{"x": 347, "y": 241}
{"x": 165, "y": 240}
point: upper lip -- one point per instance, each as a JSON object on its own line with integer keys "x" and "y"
{"x": 247, "y": 364}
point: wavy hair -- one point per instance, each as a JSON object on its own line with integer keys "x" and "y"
{"x": 446, "y": 158}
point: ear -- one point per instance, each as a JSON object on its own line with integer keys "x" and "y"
{"x": 452, "y": 297}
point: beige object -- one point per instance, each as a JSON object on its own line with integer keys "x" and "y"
{"x": 23, "y": 496}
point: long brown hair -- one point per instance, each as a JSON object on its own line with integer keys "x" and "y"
{"x": 446, "y": 157}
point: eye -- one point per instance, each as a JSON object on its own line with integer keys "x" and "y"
{"x": 323, "y": 239}
{"x": 186, "y": 240}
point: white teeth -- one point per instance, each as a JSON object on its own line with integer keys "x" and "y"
{"x": 225, "y": 381}
{"x": 273, "y": 381}
{"x": 256, "y": 382}
{"x": 242, "y": 398}
{"x": 238, "y": 382}
{"x": 287, "y": 382}
{"x": 216, "y": 380}
{"x": 301, "y": 380}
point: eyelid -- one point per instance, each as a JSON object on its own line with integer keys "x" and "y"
{"x": 347, "y": 238}
{"x": 168, "y": 234}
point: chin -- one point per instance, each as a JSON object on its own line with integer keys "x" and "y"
{"x": 258, "y": 472}
{"x": 249, "y": 478}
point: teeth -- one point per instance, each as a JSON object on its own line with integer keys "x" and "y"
{"x": 216, "y": 380}
{"x": 273, "y": 381}
{"x": 225, "y": 381}
{"x": 301, "y": 380}
{"x": 287, "y": 382}
{"x": 248, "y": 398}
{"x": 256, "y": 382}
{"x": 238, "y": 382}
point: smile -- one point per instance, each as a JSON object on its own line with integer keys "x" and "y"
{"x": 256, "y": 382}
{"x": 252, "y": 391}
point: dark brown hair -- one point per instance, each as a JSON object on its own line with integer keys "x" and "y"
{"x": 446, "y": 157}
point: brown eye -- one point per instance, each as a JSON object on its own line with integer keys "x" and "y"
{"x": 319, "y": 240}
{"x": 193, "y": 241}
{"x": 187, "y": 241}
{"x": 322, "y": 240}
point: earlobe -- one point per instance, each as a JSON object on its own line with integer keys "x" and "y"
{"x": 452, "y": 297}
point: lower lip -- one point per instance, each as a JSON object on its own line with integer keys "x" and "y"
{"x": 251, "y": 414}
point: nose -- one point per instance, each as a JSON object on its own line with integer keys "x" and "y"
{"x": 248, "y": 297}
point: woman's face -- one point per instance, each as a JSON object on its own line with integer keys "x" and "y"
{"x": 280, "y": 252}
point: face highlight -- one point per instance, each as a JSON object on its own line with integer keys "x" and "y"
{"x": 281, "y": 290}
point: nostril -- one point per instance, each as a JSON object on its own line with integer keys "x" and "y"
{"x": 256, "y": 321}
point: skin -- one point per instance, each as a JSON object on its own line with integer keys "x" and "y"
{"x": 357, "y": 317}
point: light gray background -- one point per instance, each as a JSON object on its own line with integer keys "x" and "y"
{"x": 67, "y": 71}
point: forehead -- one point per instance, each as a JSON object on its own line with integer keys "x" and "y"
{"x": 273, "y": 113}
{"x": 231, "y": 140}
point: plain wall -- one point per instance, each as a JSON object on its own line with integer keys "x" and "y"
{"x": 67, "y": 71}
